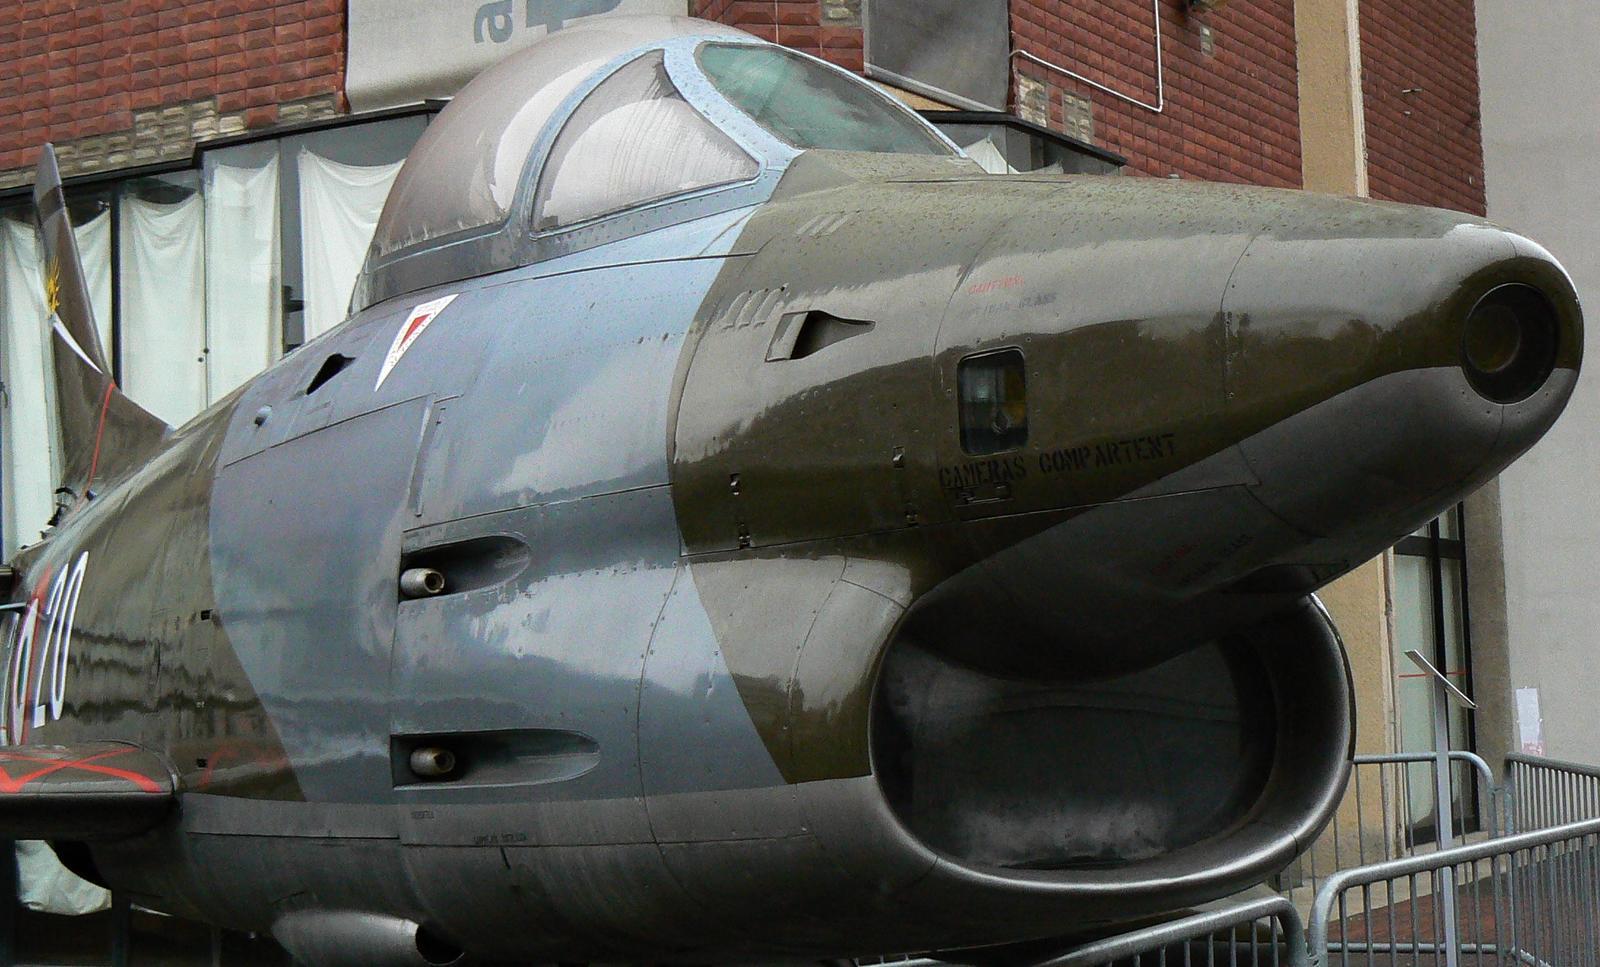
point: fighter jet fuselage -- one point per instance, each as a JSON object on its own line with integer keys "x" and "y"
{"x": 890, "y": 557}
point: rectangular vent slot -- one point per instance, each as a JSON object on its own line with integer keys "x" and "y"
{"x": 802, "y": 334}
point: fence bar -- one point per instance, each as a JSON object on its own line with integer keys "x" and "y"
{"x": 1279, "y": 911}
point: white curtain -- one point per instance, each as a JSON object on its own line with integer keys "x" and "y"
{"x": 243, "y": 299}
{"x": 45, "y": 885}
{"x": 987, "y": 154}
{"x": 27, "y": 424}
{"x": 27, "y": 437}
{"x": 94, "y": 250}
{"x": 339, "y": 208}
{"x": 163, "y": 306}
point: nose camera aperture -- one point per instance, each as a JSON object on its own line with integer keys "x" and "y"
{"x": 1508, "y": 344}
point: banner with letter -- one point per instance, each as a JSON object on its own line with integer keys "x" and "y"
{"x": 404, "y": 51}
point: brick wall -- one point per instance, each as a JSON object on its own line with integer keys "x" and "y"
{"x": 127, "y": 82}
{"x": 1420, "y": 83}
{"x": 830, "y": 29}
{"x": 1231, "y": 111}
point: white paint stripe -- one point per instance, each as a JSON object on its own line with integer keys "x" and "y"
{"x": 61, "y": 330}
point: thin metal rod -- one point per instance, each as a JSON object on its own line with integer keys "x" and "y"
{"x": 1161, "y": 79}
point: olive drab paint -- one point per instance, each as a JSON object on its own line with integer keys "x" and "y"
{"x": 764, "y": 633}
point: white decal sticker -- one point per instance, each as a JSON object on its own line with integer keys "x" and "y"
{"x": 35, "y": 689}
{"x": 72, "y": 344}
{"x": 1530, "y": 724}
{"x": 417, "y": 321}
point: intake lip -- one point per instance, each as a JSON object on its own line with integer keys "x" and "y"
{"x": 1509, "y": 343}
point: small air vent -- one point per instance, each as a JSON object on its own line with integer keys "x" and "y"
{"x": 467, "y": 565}
{"x": 331, "y": 367}
{"x": 801, "y": 334}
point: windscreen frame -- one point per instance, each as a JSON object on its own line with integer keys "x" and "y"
{"x": 892, "y": 105}
{"x": 772, "y": 158}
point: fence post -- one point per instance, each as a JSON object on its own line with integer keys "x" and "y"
{"x": 1441, "y": 692}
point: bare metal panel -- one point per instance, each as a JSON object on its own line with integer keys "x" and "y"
{"x": 954, "y": 50}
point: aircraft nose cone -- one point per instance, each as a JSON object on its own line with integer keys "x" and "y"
{"x": 1384, "y": 361}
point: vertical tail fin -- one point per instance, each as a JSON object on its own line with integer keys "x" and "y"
{"x": 103, "y": 433}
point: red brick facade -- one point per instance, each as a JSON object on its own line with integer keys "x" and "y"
{"x": 85, "y": 69}
{"x": 82, "y": 69}
{"x": 794, "y": 23}
{"x": 1230, "y": 115}
{"x": 1420, "y": 83}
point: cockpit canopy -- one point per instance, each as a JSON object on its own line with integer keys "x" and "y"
{"x": 666, "y": 117}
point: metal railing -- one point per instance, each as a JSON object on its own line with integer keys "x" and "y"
{"x": 1543, "y": 792}
{"x": 1527, "y": 893}
{"x": 1388, "y": 812}
{"x": 1262, "y": 933}
{"x": 1531, "y": 898}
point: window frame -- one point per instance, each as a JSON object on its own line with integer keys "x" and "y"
{"x": 772, "y": 157}
{"x": 934, "y": 135}
{"x": 1431, "y": 545}
{"x": 961, "y": 402}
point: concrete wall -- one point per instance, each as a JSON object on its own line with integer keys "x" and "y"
{"x": 1540, "y": 68}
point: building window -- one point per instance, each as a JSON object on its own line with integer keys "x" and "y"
{"x": 1430, "y": 615}
{"x": 1006, "y": 144}
{"x": 201, "y": 276}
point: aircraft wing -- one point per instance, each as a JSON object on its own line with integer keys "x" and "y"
{"x": 88, "y": 791}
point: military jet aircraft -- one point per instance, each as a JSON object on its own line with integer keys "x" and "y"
{"x": 734, "y": 527}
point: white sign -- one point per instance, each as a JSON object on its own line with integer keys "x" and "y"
{"x": 405, "y": 51}
{"x": 1530, "y": 725}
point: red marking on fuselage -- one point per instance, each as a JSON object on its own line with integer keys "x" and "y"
{"x": 99, "y": 432}
{"x": 9, "y": 784}
{"x": 985, "y": 288}
{"x": 415, "y": 324}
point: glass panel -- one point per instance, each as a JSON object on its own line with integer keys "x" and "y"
{"x": 1413, "y": 629}
{"x": 244, "y": 301}
{"x": 465, "y": 170}
{"x": 986, "y": 144}
{"x": 810, "y": 105}
{"x": 994, "y": 402}
{"x": 1455, "y": 644}
{"x": 91, "y": 224}
{"x": 27, "y": 434}
{"x": 327, "y": 220}
{"x": 339, "y": 208}
{"x": 1456, "y": 659}
{"x": 1017, "y": 150}
{"x": 1447, "y": 525}
{"x": 161, "y": 252}
{"x": 634, "y": 140}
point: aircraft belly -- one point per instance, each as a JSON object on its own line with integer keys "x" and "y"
{"x": 560, "y": 903}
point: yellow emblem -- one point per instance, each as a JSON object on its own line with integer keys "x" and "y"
{"x": 52, "y": 286}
